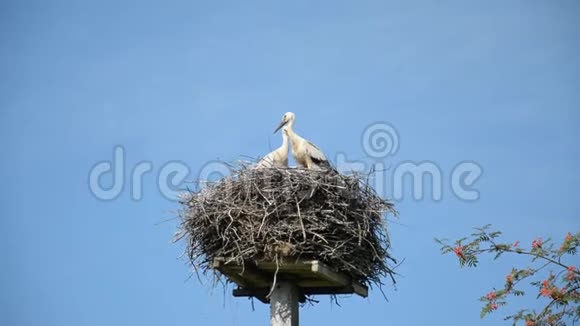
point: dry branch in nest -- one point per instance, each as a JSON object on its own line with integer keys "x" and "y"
{"x": 290, "y": 213}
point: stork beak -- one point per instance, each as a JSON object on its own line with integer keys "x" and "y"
{"x": 282, "y": 124}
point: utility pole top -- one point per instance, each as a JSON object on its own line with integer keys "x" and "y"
{"x": 284, "y": 304}
{"x": 284, "y": 284}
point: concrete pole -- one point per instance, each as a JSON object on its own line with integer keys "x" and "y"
{"x": 284, "y": 305}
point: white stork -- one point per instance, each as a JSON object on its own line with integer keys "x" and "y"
{"x": 278, "y": 157}
{"x": 304, "y": 152}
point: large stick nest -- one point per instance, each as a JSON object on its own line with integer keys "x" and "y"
{"x": 289, "y": 213}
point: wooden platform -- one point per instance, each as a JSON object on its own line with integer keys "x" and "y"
{"x": 311, "y": 277}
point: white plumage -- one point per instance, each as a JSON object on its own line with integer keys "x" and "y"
{"x": 278, "y": 157}
{"x": 304, "y": 152}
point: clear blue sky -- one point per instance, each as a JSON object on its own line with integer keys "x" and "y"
{"x": 495, "y": 82}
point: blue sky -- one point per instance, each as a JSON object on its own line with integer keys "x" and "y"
{"x": 493, "y": 82}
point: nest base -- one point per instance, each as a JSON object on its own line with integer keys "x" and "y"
{"x": 312, "y": 277}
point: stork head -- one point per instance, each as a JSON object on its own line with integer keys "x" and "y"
{"x": 287, "y": 119}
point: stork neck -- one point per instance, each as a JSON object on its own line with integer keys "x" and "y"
{"x": 290, "y": 127}
{"x": 293, "y": 135}
{"x": 284, "y": 140}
